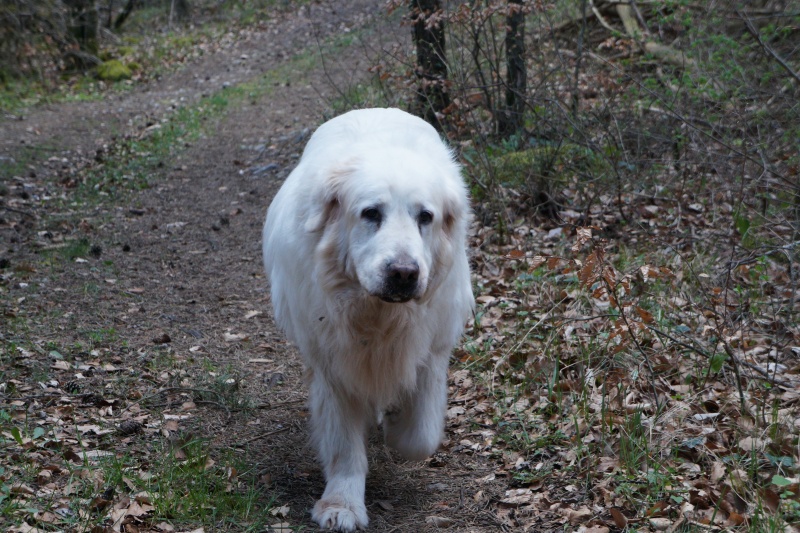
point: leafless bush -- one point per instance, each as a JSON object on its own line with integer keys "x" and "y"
{"x": 33, "y": 35}
{"x": 40, "y": 38}
{"x": 693, "y": 102}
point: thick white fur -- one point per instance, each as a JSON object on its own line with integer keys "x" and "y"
{"x": 368, "y": 359}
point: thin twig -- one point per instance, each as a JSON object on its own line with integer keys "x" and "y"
{"x": 20, "y": 211}
{"x": 171, "y": 389}
{"x": 735, "y": 366}
{"x": 218, "y": 404}
{"x": 771, "y": 379}
{"x": 652, "y": 375}
{"x": 277, "y": 405}
{"x": 754, "y": 32}
{"x": 262, "y": 436}
{"x": 504, "y": 359}
{"x": 670, "y": 111}
{"x": 753, "y": 257}
{"x": 575, "y": 91}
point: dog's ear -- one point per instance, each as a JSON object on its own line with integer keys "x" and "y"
{"x": 319, "y": 215}
{"x": 327, "y": 202}
{"x": 455, "y": 211}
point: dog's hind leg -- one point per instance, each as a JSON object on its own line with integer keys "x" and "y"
{"x": 416, "y": 427}
{"x": 339, "y": 426}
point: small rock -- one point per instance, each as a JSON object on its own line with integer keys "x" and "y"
{"x": 660, "y": 524}
{"x": 129, "y": 427}
{"x": 439, "y": 521}
{"x": 554, "y": 234}
{"x": 162, "y": 339}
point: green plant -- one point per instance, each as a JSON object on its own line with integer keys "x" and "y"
{"x": 188, "y": 486}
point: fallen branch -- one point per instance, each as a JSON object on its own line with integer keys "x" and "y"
{"x": 629, "y": 16}
{"x": 657, "y": 50}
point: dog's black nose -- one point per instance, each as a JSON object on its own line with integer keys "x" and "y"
{"x": 404, "y": 271}
{"x": 402, "y": 275}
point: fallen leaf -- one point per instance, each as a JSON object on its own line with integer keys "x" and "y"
{"x": 660, "y": 524}
{"x": 750, "y": 444}
{"x": 620, "y": 520}
{"x": 282, "y": 511}
{"x": 21, "y": 488}
{"x": 577, "y": 516}
{"x": 439, "y": 521}
{"x": 517, "y": 497}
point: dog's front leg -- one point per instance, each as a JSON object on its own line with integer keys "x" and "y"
{"x": 339, "y": 429}
{"x": 416, "y": 427}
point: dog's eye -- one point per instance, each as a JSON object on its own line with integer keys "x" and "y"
{"x": 425, "y": 218}
{"x": 370, "y": 214}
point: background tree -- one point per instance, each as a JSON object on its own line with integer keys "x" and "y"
{"x": 510, "y": 118}
{"x": 431, "y": 71}
{"x": 84, "y": 27}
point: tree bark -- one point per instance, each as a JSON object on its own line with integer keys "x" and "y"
{"x": 510, "y": 119}
{"x": 431, "y": 71}
{"x": 84, "y": 24}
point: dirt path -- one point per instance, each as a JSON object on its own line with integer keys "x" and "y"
{"x": 181, "y": 261}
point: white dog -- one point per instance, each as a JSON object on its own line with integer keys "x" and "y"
{"x": 364, "y": 246}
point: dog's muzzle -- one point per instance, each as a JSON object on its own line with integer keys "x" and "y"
{"x": 401, "y": 279}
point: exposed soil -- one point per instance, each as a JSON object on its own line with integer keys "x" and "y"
{"x": 181, "y": 262}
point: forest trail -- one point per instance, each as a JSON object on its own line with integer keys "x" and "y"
{"x": 180, "y": 261}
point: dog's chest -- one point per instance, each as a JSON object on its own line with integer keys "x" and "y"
{"x": 379, "y": 353}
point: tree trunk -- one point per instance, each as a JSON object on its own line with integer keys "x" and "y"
{"x": 122, "y": 17}
{"x": 510, "y": 118}
{"x": 84, "y": 24}
{"x": 428, "y": 34}
{"x": 110, "y": 19}
{"x": 181, "y": 9}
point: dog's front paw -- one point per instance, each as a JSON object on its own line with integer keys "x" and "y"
{"x": 340, "y": 515}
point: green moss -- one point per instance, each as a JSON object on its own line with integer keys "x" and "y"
{"x": 113, "y": 70}
{"x": 551, "y": 164}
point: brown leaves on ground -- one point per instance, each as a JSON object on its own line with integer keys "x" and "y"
{"x": 637, "y": 396}
{"x": 86, "y": 442}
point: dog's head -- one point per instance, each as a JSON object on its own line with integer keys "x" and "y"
{"x": 388, "y": 219}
